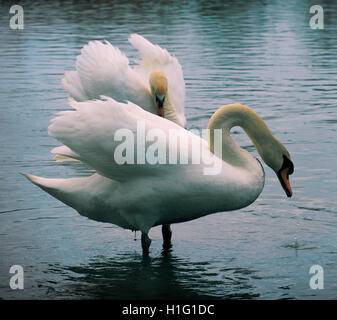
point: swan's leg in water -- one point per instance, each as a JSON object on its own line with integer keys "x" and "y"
{"x": 167, "y": 235}
{"x": 146, "y": 242}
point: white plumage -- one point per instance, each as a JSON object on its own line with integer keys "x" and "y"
{"x": 102, "y": 69}
{"x": 108, "y": 97}
{"x": 140, "y": 196}
{"x": 89, "y": 134}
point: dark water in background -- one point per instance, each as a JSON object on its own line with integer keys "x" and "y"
{"x": 259, "y": 53}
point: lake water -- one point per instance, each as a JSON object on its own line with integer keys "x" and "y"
{"x": 259, "y": 53}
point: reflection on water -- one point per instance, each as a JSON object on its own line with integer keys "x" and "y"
{"x": 166, "y": 276}
{"x": 259, "y": 53}
{"x": 131, "y": 276}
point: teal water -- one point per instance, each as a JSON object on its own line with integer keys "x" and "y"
{"x": 262, "y": 54}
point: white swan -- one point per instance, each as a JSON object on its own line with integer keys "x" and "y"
{"x": 140, "y": 196}
{"x": 156, "y": 83}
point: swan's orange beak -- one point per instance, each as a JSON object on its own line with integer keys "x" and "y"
{"x": 284, "y": 179}
{"x": 160, "y": 111}
{"x": 283, "y": 175}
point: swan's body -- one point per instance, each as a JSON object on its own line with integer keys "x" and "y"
{"x": 140, "y": 196}
{"x": 102, "y": 69}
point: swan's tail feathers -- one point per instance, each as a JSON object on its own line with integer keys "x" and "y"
{"x": 63, "y": 153}
{"x": 65, "y": 190}
{"x": 52, "y": 186}
{"x": 73, "y": 85}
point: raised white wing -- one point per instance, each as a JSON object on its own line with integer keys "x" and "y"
{"x": 153, "y": 57}
{"x": 120, "y": 141}
{"x": 102, "y": 69}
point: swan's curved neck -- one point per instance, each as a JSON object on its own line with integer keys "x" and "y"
{"x": 230, "y": 116}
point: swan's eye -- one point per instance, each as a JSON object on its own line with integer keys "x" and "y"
{"x": 287, "y": 163}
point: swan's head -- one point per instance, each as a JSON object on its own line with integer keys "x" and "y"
{"x": 271, "y": 150}
{"x": 277, "y": 157}
{"x": 158, "y": 85}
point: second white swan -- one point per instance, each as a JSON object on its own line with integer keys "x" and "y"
{"x": 156, "y": 83}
